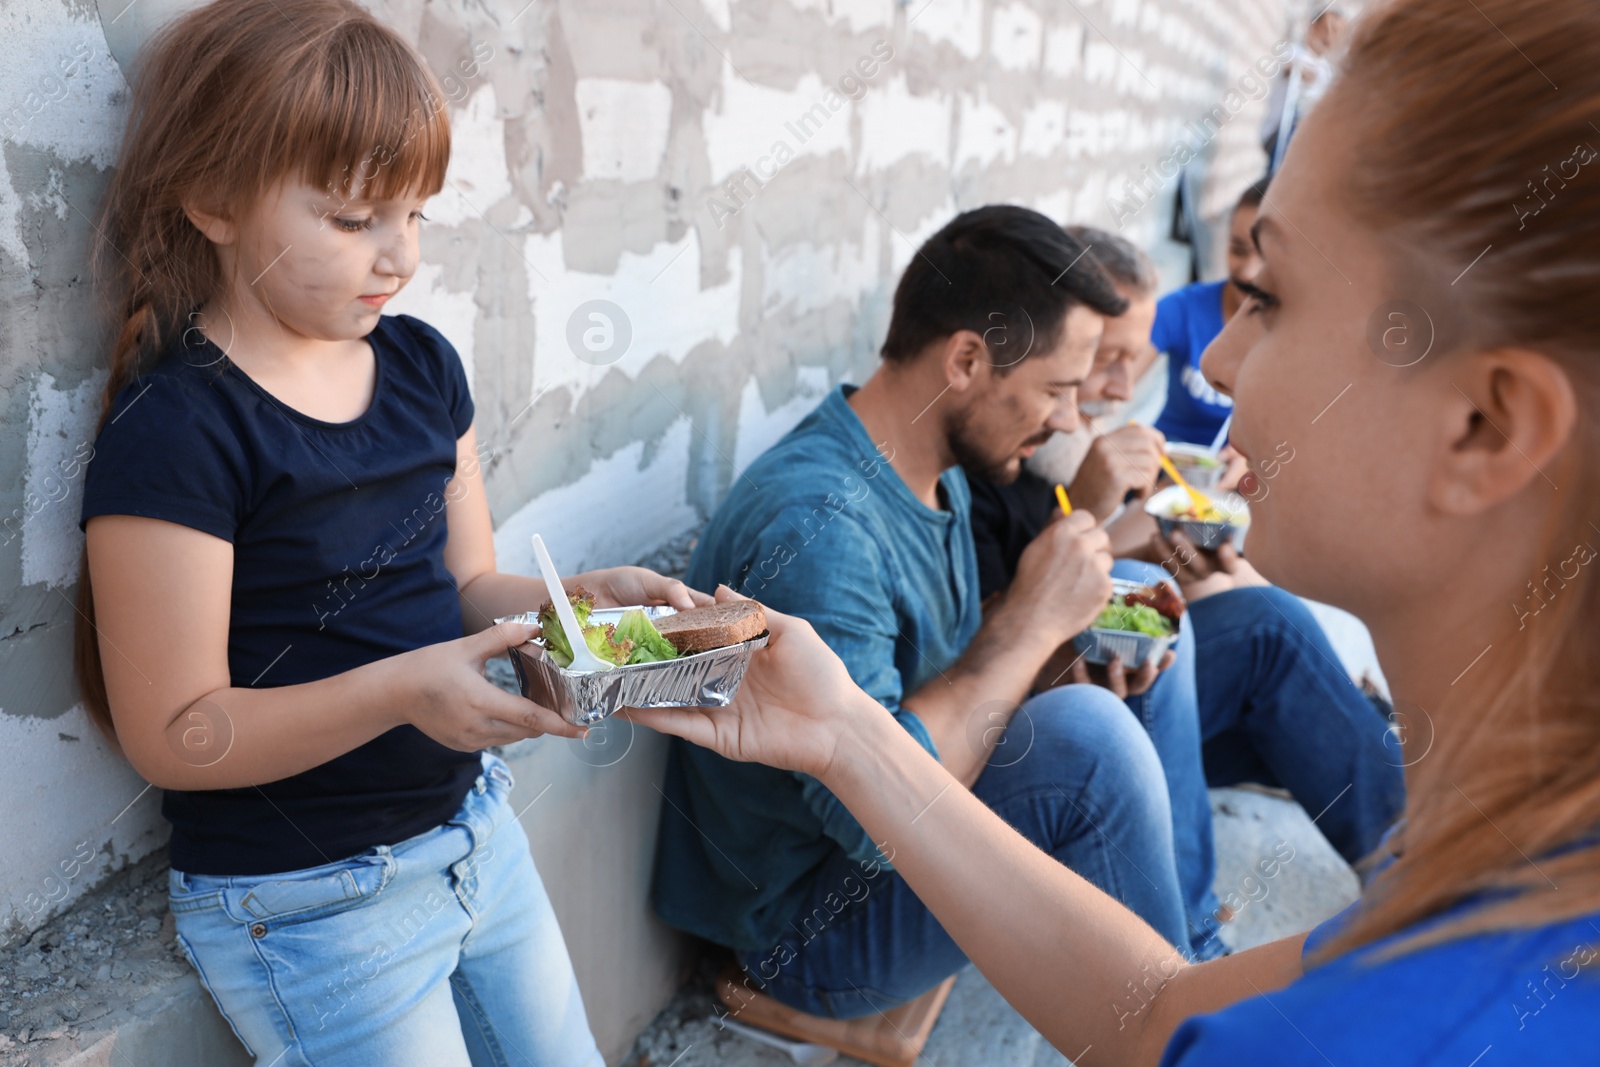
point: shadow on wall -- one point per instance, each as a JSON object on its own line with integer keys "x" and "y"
{"x": 129, "y": 23}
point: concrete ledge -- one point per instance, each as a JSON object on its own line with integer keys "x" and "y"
{"x": 177, "y": 1024}
{"x": 104, "y": 984}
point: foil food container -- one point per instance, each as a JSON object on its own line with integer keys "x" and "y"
{"x": 704, "y": 679}
{"x": 1192, "y": 460}
{"x": 1134, "y": 648}
{"x": 1210, "y": 535}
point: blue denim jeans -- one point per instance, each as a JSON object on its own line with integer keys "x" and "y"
{"x": 1076, "y": 775}
{"x": 439, "y": 951}
{"x": 1169, "y": 712}
{"x": 1258, "y": 694}
{"x": 1277, "y": 707}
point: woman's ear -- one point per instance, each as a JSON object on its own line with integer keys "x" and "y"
{"x": 218, "y": 229}
{"x": 1508, "y": 414}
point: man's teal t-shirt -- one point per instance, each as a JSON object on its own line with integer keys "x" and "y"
{"x": 820, "y": 526}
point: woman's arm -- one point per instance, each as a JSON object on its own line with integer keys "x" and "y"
{"x": 487, "y": 594}
{"x": 1060, "y": 950}
{"x": 1057, "y": 948}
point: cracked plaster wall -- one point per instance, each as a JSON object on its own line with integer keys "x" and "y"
{"x": 741, "y": 181}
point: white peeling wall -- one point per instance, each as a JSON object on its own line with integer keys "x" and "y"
{"x": 669, "y": 228}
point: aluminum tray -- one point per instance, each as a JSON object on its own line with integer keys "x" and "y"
{"x": 1135, "y": 649}
{"x": 704, "y": 679}
{"x": 1184, "y": 457}
{"x": 1209, "y": 535}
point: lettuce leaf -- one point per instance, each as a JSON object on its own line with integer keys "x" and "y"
{"x": 1138, "y": 618}
{"x": 603, "y": 643}
{"x": 633, "y": 640}
{"x": 648, "y": 644}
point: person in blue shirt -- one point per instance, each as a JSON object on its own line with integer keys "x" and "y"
{"x": 1447, "y": 501}
{"x": 1189, "y": 319}
{"x": 858, "y": 521}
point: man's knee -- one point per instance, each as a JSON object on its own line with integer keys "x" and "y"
{"x": 1090, "y": 771}
{"x": 1265, "y": 606}
{"x": 1137, "y": 570}
{"x": 1088, "y": 729}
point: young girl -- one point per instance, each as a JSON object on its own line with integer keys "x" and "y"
{"x": 1445, "y": 188}
{"x": 288, "y": 537}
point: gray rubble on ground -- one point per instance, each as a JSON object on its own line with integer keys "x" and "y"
{"x": 60, "y": 978}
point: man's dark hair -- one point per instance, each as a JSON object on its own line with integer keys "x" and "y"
{"x": 1124, "y": 262}
{"x": 1004, "y": 272}
{"x": 1253, "y": 196}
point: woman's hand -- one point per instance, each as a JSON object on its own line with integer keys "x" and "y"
{"x": 796, "y": 702}
{"x": 443, "y": 693}
{"x": 620, "y": 587}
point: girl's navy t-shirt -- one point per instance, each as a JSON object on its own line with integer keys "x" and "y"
{"x": 338, "y": 533}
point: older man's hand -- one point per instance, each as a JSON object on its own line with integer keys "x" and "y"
{"x": 1125, "y": 460}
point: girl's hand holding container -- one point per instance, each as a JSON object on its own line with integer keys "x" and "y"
{"x": 441, "y": 690}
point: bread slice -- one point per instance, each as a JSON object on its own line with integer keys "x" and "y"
{"x": 715, "y": 626}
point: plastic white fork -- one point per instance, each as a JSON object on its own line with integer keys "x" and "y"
{"x": 582, "y": 658}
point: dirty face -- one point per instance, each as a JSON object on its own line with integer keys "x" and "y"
{"x": 1007, "y": 413}
{"x": 323, "y": 265}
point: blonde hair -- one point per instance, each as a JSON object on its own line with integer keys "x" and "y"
{"x": 1454, "y": 125}
{"x": 229, "y": 100}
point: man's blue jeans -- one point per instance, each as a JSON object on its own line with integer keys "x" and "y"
{"x": 1169, "y": 712}
{"x": 1277, "y": 707}
{"x": 1258, "y": 694}
{"x": 1076, "y": 776}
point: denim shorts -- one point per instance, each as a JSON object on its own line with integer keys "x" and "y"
{"x": 439, "y": 951}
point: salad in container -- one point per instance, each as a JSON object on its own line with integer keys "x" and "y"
{"x": 661, "y": 657}
{"x": 1139, "y": 624}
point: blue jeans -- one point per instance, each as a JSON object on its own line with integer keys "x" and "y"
{"x": 439, "y": 951}
{"x": 1076, "y": 776}
{"x": 1257, "y": 694}
{"x": 1277, "y": 707}
{"x": 1170, "y": 713}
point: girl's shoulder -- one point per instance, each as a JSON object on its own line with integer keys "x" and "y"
{"x": 1532, "y": 995}
{"x": 434, "y": 357}
{"x": 187, "y": 383}
{"x": 415, "y": 339}
{"x": 174, "y": 446}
